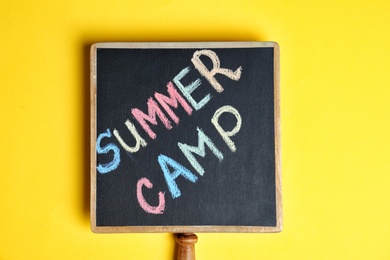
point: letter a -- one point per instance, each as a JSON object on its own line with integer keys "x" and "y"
{"x": 170, "y": 177}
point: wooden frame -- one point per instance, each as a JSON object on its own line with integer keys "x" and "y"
{"x": 186, "y": 229}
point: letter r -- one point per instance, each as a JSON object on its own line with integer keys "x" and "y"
{"x": 209, "y": 74}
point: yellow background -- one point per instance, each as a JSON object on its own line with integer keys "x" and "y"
{"x": 335, "y": 111}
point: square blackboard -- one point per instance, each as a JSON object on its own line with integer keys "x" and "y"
{"x": 185, "y": 137}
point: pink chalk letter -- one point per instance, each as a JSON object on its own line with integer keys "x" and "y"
{"x": 153, "y": 110}
{"x": 173, "y": 100}
{"x": 142, "y": 202}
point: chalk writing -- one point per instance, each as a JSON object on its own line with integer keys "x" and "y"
{"x": 110, "y": 166}
{"x": 139, "y": 141}
{"x": 150, "y": 209}
{"x": 200, "y": 150}
{"x": 159, "y": 107}
{"x": 170, "y": 177}
{"x": 187, "y": 90}
{"x": 209, "y": 75}
{"x": 227, "y": 134}
{"x": 153, "y": 110}
{"x": 172, "y": 100}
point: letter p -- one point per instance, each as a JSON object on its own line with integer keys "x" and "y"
{"x": 227, "y": 134}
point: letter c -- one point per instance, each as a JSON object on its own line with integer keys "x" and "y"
{"x": 142, "y": 202}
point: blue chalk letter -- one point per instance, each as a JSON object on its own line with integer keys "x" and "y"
{"x": 105, "y": 168}
{"x": 170, "y": 177}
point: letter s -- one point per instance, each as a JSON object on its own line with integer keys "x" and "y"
{"x": 107, "y": 167}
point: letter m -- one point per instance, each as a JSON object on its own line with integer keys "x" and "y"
{"x": 173, "y": 100}
{"x": 153, "y": 110}
{"x": 200, "y": 150}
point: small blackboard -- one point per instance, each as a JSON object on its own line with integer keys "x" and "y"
{"x": 185, "y": 137}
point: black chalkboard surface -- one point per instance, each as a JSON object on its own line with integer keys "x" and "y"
{"x": 185, "y": 137}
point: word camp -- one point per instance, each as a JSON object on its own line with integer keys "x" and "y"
{"x": 160, "y": 106}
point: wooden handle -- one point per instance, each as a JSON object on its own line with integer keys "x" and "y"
{"x": 186, "y": 250}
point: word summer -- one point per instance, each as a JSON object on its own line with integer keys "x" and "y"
{"x": 161, "y": 106}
